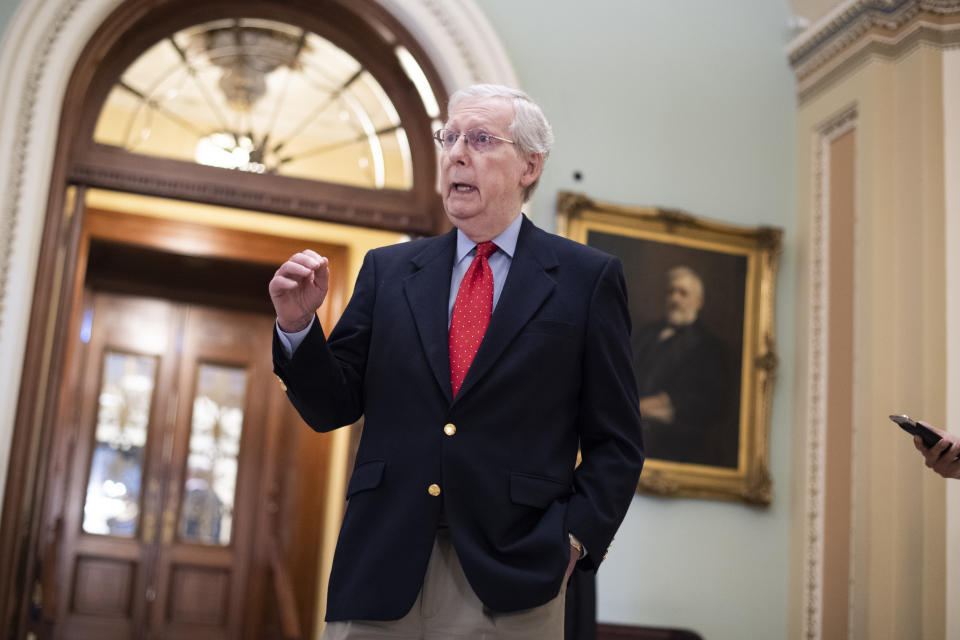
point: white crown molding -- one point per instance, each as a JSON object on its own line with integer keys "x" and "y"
{"x": 853, "y": 17}
{"x": 40, "y": 48}
{"x": 858, "y": 29}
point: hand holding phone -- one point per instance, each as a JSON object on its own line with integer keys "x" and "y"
{"x": 908, "y": 424}
{"x": 943, "y": 458}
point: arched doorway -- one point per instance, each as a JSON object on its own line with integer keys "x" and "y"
{"x": 80, "y": 160}
{"x": 295, "y": 89}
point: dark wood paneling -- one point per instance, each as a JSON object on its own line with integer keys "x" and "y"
{"x": 115, "y": 169}
{"x": 199, "y": 596}
{"x": 103, "y": 587}
{"x": 113, "y": 240}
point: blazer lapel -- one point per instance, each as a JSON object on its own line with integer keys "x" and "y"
{"x": 428, "y": 294}
{"x": 528, "y": 285}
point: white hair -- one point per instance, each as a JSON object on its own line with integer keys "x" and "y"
{"x": 530, "y": 131}
{"x": 684, "y": 271}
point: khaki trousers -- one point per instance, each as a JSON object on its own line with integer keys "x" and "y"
{"x": 447, "y": 609}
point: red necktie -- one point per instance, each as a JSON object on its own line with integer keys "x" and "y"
{"x": 471, "y": 314}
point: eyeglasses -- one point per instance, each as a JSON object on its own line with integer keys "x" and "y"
{"x": 478, "y": 139}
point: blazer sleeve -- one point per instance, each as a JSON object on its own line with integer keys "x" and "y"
{"x": 324, "y": 378}
{"x": 611, "y": 443}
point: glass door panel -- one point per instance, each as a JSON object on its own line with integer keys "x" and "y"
{"x": 112, "y": 504}
{"x": 211, "y": 480}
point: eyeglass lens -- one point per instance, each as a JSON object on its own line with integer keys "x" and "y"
{"x": 478, "y": 139}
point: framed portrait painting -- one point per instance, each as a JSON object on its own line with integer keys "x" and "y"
{"x": 701, "y": 297}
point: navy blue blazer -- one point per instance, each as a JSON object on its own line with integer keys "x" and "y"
{"x": 554, "y": 372}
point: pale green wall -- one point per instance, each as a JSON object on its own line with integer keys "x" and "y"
{"x": 686, "y": 104}
{"x": 7, "y": 8}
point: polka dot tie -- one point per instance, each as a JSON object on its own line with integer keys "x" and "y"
{"x": 471, "y": 314}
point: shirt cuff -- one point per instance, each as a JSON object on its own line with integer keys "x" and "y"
{"x": 291, "y": 341}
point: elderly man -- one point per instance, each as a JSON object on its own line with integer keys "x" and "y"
{"x": 684, "y": 381}
{"x": 482, "y": 360}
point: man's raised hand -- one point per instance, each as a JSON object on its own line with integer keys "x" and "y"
{"x": 298, "y": 288}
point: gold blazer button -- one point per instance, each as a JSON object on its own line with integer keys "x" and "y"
{"x": 434, "y": 490}
{"x": 449, "y": 429}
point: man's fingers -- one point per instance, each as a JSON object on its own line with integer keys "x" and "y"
{"x": 935, "y": 454}
{"x": 309, "y": 259}
{"x": 948, "y": 465}
{"x": 299, "y": 287}
{"x": 301, "y": 266}
{"x": 940, "y": 447}
{"x": 289, "y": 278}
{"x": 281, "y": 283}
{"x": 294, "y": 270}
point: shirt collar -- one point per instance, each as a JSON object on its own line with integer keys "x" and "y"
{"x": 506, "y": 241}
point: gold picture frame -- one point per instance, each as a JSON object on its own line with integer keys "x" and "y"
{"x": 705, "y": 373}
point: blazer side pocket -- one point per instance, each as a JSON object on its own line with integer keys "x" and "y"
{"x": 536, "y": 491}
{"x": 367, "y": 475}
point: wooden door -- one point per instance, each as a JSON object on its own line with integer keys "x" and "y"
{"x": 165, "y": 299}
{"x": 209, "y": 506}
{"x": 160, "y": 512}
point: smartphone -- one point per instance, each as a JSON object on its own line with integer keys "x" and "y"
{"x": 910, "y": 425}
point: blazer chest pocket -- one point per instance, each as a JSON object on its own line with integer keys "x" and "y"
{"x": 536, "y": 491}
{"x": 552, "y": 328}
{"x": 367, "y": 475}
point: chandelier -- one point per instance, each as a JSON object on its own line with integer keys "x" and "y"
{"x": 247, "y": 54}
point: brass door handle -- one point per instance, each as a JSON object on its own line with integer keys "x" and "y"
{"x": 150, "y": 511}
{"x": 169, "y": 522}
{"x": 149, "y": 527}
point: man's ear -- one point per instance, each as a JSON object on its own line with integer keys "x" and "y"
{"x": 532, "y": 168}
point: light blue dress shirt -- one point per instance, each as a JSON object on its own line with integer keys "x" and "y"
{"x": 466, "y": 250}
{"x": 499, "y": 261}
